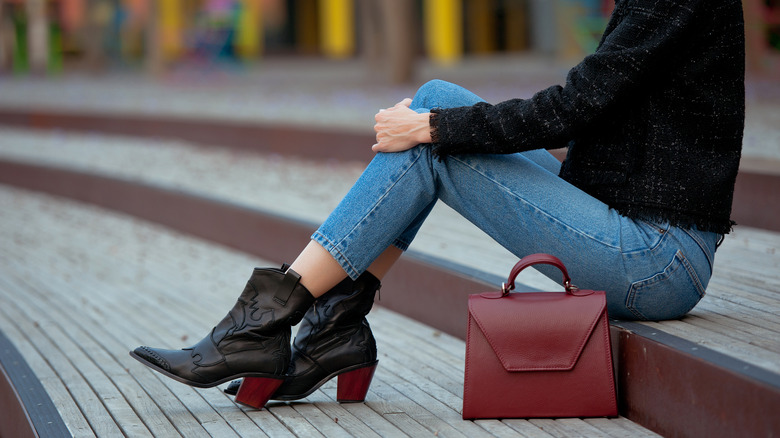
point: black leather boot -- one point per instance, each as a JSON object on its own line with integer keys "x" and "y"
{"x": 253, "y": 340}
{"x": 334, "y": 340}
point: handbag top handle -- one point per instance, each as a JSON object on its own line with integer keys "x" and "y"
{"x": 538, "y": 259}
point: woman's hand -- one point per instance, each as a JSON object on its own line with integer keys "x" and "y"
{"x": 399, "y": 128}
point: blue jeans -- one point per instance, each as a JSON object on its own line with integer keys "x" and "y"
{"x": 650, "y": 271}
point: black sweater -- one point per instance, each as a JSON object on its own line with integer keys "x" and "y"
{"x": 653, "y": 119}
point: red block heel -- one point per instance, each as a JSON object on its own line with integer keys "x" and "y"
{"x": 353, "y": 385}
{"x": 255, "y": 391}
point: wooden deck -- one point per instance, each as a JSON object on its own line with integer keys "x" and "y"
{"x": 84, "y": 286}
{"x": 81, "y": 286}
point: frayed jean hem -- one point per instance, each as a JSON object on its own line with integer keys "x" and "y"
{"x": 338, "y": 254}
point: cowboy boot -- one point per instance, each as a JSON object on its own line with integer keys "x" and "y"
{"x": 334, "y": 340}
{"x": 252, "y": 341}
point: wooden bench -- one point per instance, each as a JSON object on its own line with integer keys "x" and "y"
{"x": 81, "y": 286}
{"x": 731, "y": 337}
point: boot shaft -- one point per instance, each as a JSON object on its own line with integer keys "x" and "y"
{"x": 272, "y": 298}
{"x": 338, "y": 313}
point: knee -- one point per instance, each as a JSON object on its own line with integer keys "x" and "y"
{"x": 435, "y": 85}
{"x": 442, "y": 94}
{"x": 428, "y": 94}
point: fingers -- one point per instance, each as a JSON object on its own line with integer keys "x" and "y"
{"x": 386, "y": 120}
{"x": 383, "y": 143}
{"x": 406, "y": 102}
{"x": 379, "y": 146}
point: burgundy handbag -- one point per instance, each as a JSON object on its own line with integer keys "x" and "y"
{"x": 538, "y": 354}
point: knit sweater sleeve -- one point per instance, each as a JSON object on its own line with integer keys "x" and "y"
{"x": 641, "y": 41}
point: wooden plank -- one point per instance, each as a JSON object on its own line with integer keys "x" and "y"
{"x": 403, "y": 404}
{"x": 739, "y": 256}
{"x": 88, "y": 402}
{"x": 568, "y": 427}
{"x": 236, "y": 418}
{"x": 755, "y": 273}
{"x": 323, "y": 422}
{"x": 753, "y": 238}
{"x": 753, "y": 296}
{"x": 736, "y": 330}
{"x": 527, "y": 429}
{"x": 497, "y": 428}
{"x": 746, "y": 240}
{"x": 325, "y": 399}
{"x": 59, "y": 394}
{"x": 336, "y": 413}
{"x": 618, "y": 427}
{"x": 293, "y": 420}
{"x": 750, "y": 256}
{"x": 713, "y": 303}
{"x": 446, "y": 419}
{"x": 430, "y": 362}
{"x": 159, "y": 398}
{"x": 405, "y": 423}
{"x": 442, "y": 343}
{"x": 266, "y": 422}
{"x": 374, "y": 420}
{"x": 409, "y": 375}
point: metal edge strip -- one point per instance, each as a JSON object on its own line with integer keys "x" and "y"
{"x": 41, "y": 415}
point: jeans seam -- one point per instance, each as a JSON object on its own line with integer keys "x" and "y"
{"x": 692, "y": 273}
{"x": 340, "y": 256}
{"x": 335, "y": 251}
{"x": 381, "y": 198}
{"x": 535, "y": 207}
{"x": 697, "y": 239}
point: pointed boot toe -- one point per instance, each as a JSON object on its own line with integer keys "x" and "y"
{"x": 152, "y": 358}
{"x": 179, "y": 365}
{"x": 252, "y": 341}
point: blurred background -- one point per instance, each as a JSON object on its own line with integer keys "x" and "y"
{"x": 49, "y": 37}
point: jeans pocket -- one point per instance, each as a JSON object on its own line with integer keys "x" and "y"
{"x": 652, "y": 234}
{"x": 658, "y": 228}
{"x": 669, "y": 294}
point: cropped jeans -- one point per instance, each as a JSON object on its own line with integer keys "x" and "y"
{"x": 650, "y": 271}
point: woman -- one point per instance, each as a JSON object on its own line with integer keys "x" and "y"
{"x": 653, "y": 121}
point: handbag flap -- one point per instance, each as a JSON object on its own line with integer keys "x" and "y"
{"x": 535, "y": 331}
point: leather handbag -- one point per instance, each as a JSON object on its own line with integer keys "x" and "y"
{"x": 538, "y": 354}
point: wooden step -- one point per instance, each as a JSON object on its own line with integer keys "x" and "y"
{"x": 218, "y": 194}
{"x": 82, "y": 286}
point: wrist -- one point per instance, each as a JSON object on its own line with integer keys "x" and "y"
{"x": 424, "y": 133}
